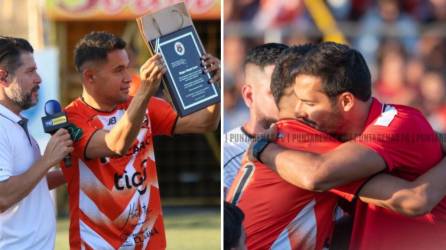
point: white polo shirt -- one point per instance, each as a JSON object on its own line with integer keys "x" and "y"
{"x": 30, "y": 223}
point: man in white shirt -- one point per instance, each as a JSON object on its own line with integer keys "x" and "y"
{"x": 27, "y": 219}
{"x": 256, "y": 92}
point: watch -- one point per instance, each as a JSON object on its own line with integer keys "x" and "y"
{"x": 258, "y": 147}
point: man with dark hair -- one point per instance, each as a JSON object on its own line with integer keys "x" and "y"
{"x": 298, "y": 218}
{"x": 234, "y": 234}
{"x": 113, "y": 187}
{"x": 94, "y": 47}
{"x": 281, "y": 79}
{"x": 258, "y": 67}
{"x": 378, "y": 137}
{"x": 278, "y": 214}
{"x": 24, "y": 177}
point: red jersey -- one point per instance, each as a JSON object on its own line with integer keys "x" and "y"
{"x": 409, "y": 146}
{"x": 279, "y": 215}
{"x": 115, "y": 201}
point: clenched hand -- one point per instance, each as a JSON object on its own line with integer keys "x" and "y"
{"x": 58, "y": 147}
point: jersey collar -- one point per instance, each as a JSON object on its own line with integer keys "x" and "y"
{"x": 375, "y": 110}
{"x": 8, "y": 114}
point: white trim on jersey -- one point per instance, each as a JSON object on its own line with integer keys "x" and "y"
{"x": 93, "y": 239}
{"x": 89, "y": 208}
{"x": 386, "y": 117}
{"x": 302, "y": 229}
{"x": 235, "y": 145}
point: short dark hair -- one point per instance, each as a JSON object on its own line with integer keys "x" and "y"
{"x": 265, "y": 54}
{"x": 233, "y": 218}
{"x": 341, "y": 68}
{"x": 287, "y": 62}
{"x": 95, "y": 46}
{"x": 10, "y": 50}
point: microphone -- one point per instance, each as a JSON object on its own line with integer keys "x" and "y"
{"x": 54, "y": 120}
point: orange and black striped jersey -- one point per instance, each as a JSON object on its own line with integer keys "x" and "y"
{"x": 115, "y": 201}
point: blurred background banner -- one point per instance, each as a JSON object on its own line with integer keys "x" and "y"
{"x": 190, "y": 181}
{"x": 125, "y": 9}
{"x": 404, "y": 43}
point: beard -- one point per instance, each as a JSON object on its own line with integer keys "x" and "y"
{"x": 331, "y": 124}
{"x": 21, "y": 99}
{"x": 309, "y": 123}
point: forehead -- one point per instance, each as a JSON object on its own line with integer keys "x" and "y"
{"x": 117, "y": 57}
{"x": 308, "y": 85}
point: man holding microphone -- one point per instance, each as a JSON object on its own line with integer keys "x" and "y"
{"x": 27, "y": 218}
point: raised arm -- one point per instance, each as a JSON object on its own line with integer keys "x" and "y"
{"x": 120, "y": 138}
{"x": 205, "y": 120}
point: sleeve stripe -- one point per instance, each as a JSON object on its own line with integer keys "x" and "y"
{"x": 174, "y": 125}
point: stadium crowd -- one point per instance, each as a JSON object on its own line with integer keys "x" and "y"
{"x": 403, "y": 42}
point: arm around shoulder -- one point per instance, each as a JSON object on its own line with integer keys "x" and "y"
{"x": 346, "y": 163}
{"x": 405, "y": 197}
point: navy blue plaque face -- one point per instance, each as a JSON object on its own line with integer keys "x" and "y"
{"x": 187, "y": 83}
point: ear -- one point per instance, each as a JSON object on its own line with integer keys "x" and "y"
{"x": 247, "y": 95}
{"x": 346, "y": 101}
{"x": 88, "y": 75}
{"x": 3, "y": 78}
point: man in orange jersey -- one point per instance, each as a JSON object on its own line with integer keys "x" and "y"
{"x": 113, "y": 186}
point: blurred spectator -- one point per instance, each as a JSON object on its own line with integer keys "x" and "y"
{"x": 341, "y": 9}
{"x": 432, "y": 49}
{"x": 385, "y": 20}
{"x": 438, "y": 8}
{"x": 414, "y": 72}
{"x": 234, "y": 54}
{"x": 432, "y": 11}
{"x": 274, "y": 14}
{"x": 235, "y": 111}
{"x": 391, "y": 84}
{"x": 404, "y": 43}
{"x": 433, "y": 92}
{"x": 240, "y": 10}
